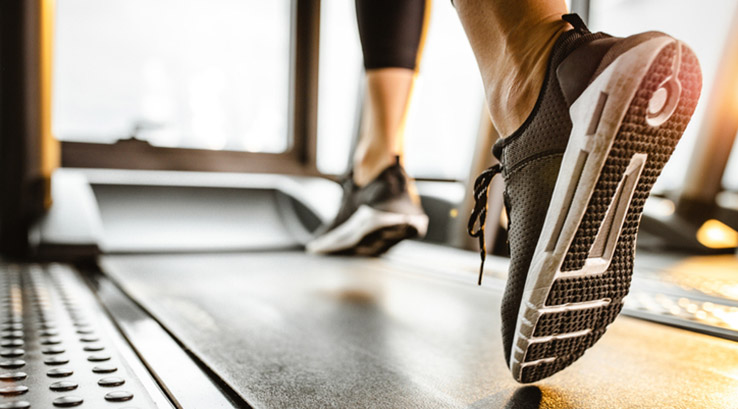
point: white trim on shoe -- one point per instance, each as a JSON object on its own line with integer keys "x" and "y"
{"x": 364, "y": 221}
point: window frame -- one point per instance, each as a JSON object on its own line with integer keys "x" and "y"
{"x": 299, "y": 158}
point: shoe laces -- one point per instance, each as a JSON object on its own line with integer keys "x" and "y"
{"x": 479, "y": 213}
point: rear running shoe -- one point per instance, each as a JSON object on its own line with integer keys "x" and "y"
{"x": 374, "y": 217}
{"x": 577, "y": 174}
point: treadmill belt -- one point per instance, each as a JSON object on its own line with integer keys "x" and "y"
{"x": 287, "y": 329}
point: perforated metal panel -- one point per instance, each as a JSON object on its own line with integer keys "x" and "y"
{"x": 59, "y": 349}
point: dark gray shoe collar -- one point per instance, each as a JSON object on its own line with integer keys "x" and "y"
{"x": 565, "y": 45}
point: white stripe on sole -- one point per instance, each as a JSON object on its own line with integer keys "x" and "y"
{"x": 364, "y": 221}
{"x": 596, "y": 118}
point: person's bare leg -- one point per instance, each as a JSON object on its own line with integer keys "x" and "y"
{"x": 380, "y": 140}
{"x": 379, "y": 207}
{"x": 511, "y": 40}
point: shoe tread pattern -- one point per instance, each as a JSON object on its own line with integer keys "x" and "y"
{"x": 634, "y": 136}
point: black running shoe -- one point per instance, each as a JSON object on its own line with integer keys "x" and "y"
{"x": 577, "y": 173}
{"x": 374, "y": 217}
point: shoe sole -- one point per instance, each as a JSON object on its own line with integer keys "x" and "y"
{"x": 370, "y": 232}
{"x": 626, "y": 124}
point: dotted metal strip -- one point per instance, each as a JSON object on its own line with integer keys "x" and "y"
{"x": 55, "y": 348}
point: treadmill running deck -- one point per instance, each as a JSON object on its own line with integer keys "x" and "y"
{"x": 286, "y": 329}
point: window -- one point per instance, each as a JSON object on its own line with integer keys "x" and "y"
{"x": 205, "y": 74}
{"x": 448, "y": 102}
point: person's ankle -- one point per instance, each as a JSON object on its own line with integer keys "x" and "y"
{"x": 513, "y": 87}
{"x": 367, "y": 169}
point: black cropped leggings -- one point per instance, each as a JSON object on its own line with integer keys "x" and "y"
{"x": 392, "y": 32}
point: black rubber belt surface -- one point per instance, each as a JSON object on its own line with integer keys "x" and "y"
{"x": 286, "y": 329}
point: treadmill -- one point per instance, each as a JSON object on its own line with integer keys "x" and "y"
{"x": 151, "y": 288}
{"x": 166, "y": 316}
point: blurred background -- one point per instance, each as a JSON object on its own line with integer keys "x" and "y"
{"x": 215, "y": 74}
{"x": 163, "y": 162}
{"x": 275, "y": 87}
